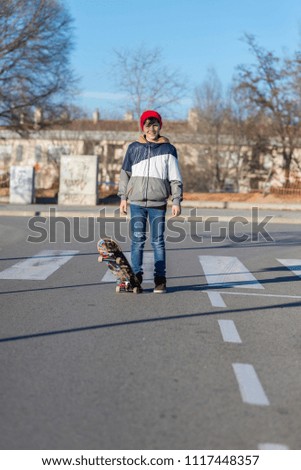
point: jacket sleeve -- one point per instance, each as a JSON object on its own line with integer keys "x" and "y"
{"x": 175, "y": 179}
{"x": 125, "y": 175}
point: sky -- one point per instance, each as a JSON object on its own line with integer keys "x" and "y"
{"x": 194, "y": 36}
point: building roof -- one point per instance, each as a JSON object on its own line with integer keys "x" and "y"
{"x": 120, "y": 126}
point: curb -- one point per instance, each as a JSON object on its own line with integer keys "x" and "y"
{"x": 241, "y": 205}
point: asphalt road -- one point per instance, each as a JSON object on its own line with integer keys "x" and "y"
{"x": 213, "y": 364}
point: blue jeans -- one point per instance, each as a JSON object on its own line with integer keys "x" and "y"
{"x": 139, "y": 216}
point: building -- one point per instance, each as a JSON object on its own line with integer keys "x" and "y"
{"x": 207, "y": 165}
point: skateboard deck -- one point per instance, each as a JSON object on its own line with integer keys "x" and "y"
{"x": 111, "y": 254}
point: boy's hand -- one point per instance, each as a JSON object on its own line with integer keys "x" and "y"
{"x": 123, "y": 207}
{"x": 175, "y": 211}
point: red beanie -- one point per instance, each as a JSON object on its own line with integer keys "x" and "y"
{"x": 150, "y": 114}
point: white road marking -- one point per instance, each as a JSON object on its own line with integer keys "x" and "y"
{"x": 229, "y": 331}
{"x": 216, "y": 299}
{"x": 148, "y": 267}
{"x": 250, "y": 387}
{"x": 281, "y": 296}
{"x": 272, "y": 446}
{"x": 38, "y": 267}
{"x": 293, "y": 264}
{"x": 228, "y": 271}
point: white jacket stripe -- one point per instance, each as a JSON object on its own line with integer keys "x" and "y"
{"x": 160, "y": 166}
{"x": 174, "y": 173}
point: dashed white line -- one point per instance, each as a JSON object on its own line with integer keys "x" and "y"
{"x": 216, "y": 299}
{"x": 272, "y": 446}
{"x": 250, "y": 387}
{"x": 229, "y": 331}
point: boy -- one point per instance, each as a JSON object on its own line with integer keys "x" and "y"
{"x": 150, "y": 174}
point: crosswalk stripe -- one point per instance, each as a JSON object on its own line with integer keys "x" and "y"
{"x": 148, "y": 263}
{"x": 220, "y": 271}
{"x": 228, "y": 271}
{"x": 293, "y": 264}
{"x": 40, "y": 266}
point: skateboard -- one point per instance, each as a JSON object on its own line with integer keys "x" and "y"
{"x": 112, "y": 255}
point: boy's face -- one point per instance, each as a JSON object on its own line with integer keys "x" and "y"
{"x": 151, "y": 129}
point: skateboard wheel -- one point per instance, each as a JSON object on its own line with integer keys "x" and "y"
{"x": 118, "y": 288}
{"x": 118, "y": 260}
{"x": 100, "y": 258}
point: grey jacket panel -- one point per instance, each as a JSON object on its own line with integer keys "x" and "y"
{"x": 123, "y": 182}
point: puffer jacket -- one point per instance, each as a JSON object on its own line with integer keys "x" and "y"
{"x": 150, "y": 173}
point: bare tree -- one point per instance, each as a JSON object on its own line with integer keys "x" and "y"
{"x": 270, "y": 89}
{"x": 210, "y": 104}
{"x": 231, "y": 158}
{"x": 146, "y": 81}
{"x": 248, "y": 142}
{"x": 35, "y": 43}
{"x": 209, "y": 100}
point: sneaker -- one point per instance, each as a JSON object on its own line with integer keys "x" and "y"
{"x": 160, "y": 285}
